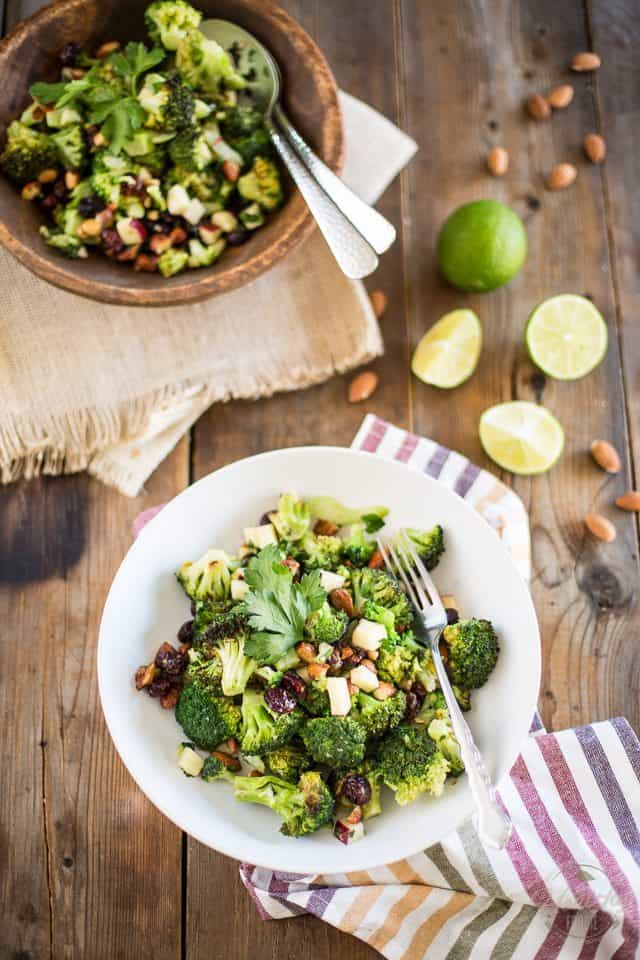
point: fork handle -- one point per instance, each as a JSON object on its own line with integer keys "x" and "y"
{"x": 493, "y": 825}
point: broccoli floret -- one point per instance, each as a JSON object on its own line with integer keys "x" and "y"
{"x": 238, "y": 121}
{"x": 173, "y": 261}
{"x": 169, "y": 21}
{"x": 411, "y": 764}
{"x": 292, "y": 518}
{"x": 106, "y": 185}
{"x": 189, "y": 149}
{"x": 319, "y": 552}
{"x": 462, "y": 696}
{"x": 169, "y": 103}
{"x": 396, "y": 664}
{"x": 32, "y": 115}
{"x": 356, "y": 548}
{"x": 71, "y": 146}
{"x": 434, "y": 705}
{"x": 208, "y": 578}
{"x": 207, "y": 719}
{"x": 64, "y": 243}
{"x": 27, "y": 153}
{"x": 256, "y": 144}
{"x": 441, "y": 732}
{"x": 304, "y": 807}
{"x": 373, "y": 611}
{"x": 262, "y": 184}
{"x": 472, "y": 652}
{"x": 288, "y": 763}
{"x": 316, "y": 700}
{"x": 204, "y": 65}
{"x": 251, "y": 217}
{"x": 205, "y": 668}
{"x": 384, "y": 590}
{"x": 203, "y": 184}
{"x": 201, "y": 255}
{"x": 377, "y": 717}
{"x": 216, "y": 621}
{"x": 337, "y": 741}
{"x": 429, "y": 544}
{"x": 262, "y": 730}
{"x": 214, "y": 769}
{"x": 326, "y": 625}
{"x": 237, "y": 668}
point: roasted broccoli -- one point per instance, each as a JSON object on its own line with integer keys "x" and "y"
{"x": 203, "y": 184}
{"x": 357, "y": 548}
{"x": 379, "y": 586}
{"x": 304, "y": 807}
{"x": 377, "y": 717}
{"x": 262, "y": 184}
{"x": 441, "y": 732}
{"x": 396, "y": 664}
{"x": 338, "y": 742}
{"x": 471, "y": 652}
{"x": 27, "y": 153}
{"x": 237, "y": 669}
{"x": 207, "y": 719}
{"x": 429, "y": 544}
{"x": 288, "y": 763}
{"x": 169, "y": 103}
{"x": 262, "y": 730}
{"x": 189, "y": 149}
{"x": 326, "y": 625}
{"x": 64, "y": 243}
{"x": 201, "y": 255}
{"x": 373, "y": 611}
{"x": 204, "y": 669}
{"x": 216, "y": 621}
{"x": 434, "y": 705}
{"x": 106, "y": 185}
{"x": 205, "y": 66}
{"x": 71, "y": 146}
{"x": 292, "y": 518}
{"x": 411, "y": 764}
{"x": 169, "y": 21}
{"x": 209, "y": 577}
{"x": 214, "y": 769}
{"x": 319, "y": 552}
{"x": 316, "y": 700}
{"x": 239, "y": 121}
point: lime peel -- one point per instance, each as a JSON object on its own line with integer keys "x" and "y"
{"x": 448, "y": 352}
{"x": 566, "y": 336}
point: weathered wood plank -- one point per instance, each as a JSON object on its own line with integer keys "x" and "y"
{"x": 353, "y": 39}
{"x": 469, "y": 68}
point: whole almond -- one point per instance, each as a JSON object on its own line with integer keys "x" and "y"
{"x": 363, "y": 386}
{"x": 585, "y": 62}
{"x": 594, "y": 147}
{"x": 340, "y": 599}
{"x": 562, "y": 176}
{"x": 497, "y": 161}
{"x": 538, "y": 107}
{"x": 629, "y": 501}
{"x": 606, "y": 456}
{"x": 378, "y": 302}
{"x": 600, "y": 527}
{"x": 560, "y": 97}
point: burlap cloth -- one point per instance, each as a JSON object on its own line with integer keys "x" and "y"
{"x": 89, "y": 386}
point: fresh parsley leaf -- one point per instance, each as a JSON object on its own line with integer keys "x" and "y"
{"x": 372, "y": 522}
{"x": 47, "y": 92}
{"x": 134, "y": 61}
{"x": 276, "y": 606}
{"x": 120, "y": 119}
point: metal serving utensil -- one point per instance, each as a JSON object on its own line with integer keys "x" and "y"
{"x": 494, "y": 826}
{"x": 354, "y": 231}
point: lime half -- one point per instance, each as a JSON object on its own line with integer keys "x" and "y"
{"x": 566, "y": 336}
{"x": 448, "y": 353}
{"x": 521, "y": 437}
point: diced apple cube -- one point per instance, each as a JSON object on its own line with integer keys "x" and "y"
{"x": 331, "y": 581}
{"x": 260, "y": 536}
{"x": 368, "y": 635}
{"x": 364, "y": 679}
{"x": 238, "y": 589}
{"x": 177, "y": 200}
{"x": 339, "y": 699}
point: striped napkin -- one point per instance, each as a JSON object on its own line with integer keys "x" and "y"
{"x": 567, "y": 884}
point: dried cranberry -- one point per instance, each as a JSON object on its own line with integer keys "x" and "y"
{"x": 237, "y": 237}
{"x": 279, "y": 700}
{"x": 69, "y": 54}
{"x": 356, "y": 657}
{"x": 135, "y": 189}
{"x": 413, "y": 706}
{"x": 452, "y": 615}
{"x": 356, "y": 789}
{"x": 418, "y": 689}
{"x": 171, "y": 662}
{"x": 49, "y": 202}
{"x": 112, "y": 243}
{"x": 89, "y": 206}
{"x": 185, "y": 633}
{"x": 294, "y": 684}
{"x": 160, "y": 686}
{"x": 334, "y": 659}
{"x": 59, "y": 190}
{"x": 265, "y": 519}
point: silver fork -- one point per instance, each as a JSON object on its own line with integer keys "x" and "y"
{"x": 493, "y": 825}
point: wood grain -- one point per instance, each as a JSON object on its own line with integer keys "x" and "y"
{"x": 87, "y": 866}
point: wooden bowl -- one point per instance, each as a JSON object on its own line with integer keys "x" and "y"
{"x": 31, "y": 52}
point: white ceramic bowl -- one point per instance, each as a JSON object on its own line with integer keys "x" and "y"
{"x": 146, "y": 606}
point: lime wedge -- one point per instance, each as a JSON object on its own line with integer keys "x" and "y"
{"x": 521, "y": 437}
{"x": 566, "y": 337}
{"x": 448, "y": 353}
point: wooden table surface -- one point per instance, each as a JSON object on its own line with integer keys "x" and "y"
{"x": 88, "y": 868}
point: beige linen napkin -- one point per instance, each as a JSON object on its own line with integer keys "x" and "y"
{"x": 89, "y": 386}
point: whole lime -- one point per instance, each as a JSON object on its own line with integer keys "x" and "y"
{"x": 481, "y": 245}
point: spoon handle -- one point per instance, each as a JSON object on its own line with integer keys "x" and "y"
{"x": 367, "y": 221}
{"x": 352, "y": 252}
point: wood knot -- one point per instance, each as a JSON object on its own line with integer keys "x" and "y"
{"x": 604, "y": 587}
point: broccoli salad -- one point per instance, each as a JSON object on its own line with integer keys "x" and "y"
{"x": 300, "y": 679}
{"x": 143, "y": 152}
